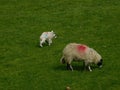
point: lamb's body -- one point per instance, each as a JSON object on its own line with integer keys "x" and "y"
{"x": 80, "y": 52}
{"x": 47, "y": 36}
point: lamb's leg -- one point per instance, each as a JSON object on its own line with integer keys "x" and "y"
{"x": 69, "y": 66}
{"x": 41, "y": 42}
{"x": 49, "y": 41}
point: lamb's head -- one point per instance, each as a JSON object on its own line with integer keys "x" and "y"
{"x": 53, "y": 34}
{"x": 100, "y": 63}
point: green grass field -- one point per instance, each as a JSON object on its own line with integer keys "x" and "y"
{"x": 26, "y": 66}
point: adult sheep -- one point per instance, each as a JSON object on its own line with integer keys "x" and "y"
{"x": 80, "y": 52}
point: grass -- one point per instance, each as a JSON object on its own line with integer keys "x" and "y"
{"x": 26, "y": 66}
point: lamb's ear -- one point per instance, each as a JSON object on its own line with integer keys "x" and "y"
{"x": 52, "y": 31}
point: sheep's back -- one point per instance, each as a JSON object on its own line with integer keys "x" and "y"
{"x": 76, "y": 50}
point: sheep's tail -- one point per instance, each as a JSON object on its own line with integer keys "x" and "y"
{"x": 62, "y": 60}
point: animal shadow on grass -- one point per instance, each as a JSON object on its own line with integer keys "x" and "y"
{"x": 64, "y": 68}
{"x": 76, "y": 67}
{"x": 60, "y": 68}
{"x": 44, "y": 45}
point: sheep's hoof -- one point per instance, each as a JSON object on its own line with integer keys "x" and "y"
{"x": 100, "y": 66}
{"x": 41, "y": 46}
{"x": 90, "y": 70}
{"x": 68, "y": 88}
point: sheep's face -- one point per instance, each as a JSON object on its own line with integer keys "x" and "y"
{"x": 100, "y": 63}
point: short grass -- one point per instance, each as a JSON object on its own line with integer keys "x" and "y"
{"x": 26, "y": 66}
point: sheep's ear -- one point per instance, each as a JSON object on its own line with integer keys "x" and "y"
{"x": 52, "y": 31}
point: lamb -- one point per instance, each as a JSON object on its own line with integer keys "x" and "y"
{"x": 80, "y": 52}
{"x": 47, "y": 36}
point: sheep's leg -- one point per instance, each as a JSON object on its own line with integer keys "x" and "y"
{"x": 84, "y": 66}
{"x": 41, "y": 45}
{"x": 49, "y": 41}
{"x": 41, "y": 42}
{"x": 69, "y": 66}
{"x": 89, "y": 68}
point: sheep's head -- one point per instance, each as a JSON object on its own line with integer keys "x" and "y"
{"x": 100, "y": 63}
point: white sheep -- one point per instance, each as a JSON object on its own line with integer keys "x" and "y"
{"x": 47, "y": 36}
{"x": 80, "y": 52}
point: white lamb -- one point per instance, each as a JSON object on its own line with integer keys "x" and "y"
{"x": 80, "y": 52}
{"x": 47, "y": 36}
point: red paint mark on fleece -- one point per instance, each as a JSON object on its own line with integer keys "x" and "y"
{"x": 81, "y": 48}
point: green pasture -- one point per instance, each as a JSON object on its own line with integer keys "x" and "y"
{"x": 26, "y": 66}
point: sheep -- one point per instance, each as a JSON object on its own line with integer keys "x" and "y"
{"x": 80, "y": 52}
{"x": 47, "y": 36}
